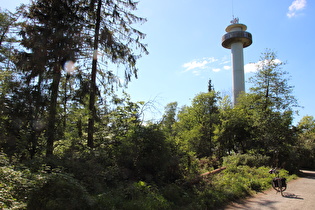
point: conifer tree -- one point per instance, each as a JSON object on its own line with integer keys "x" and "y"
{"x": 115, "y": 37}
{"x": 51, "y": 37}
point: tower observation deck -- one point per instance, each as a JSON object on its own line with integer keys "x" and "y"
{"x": 236, "y": 39}
{"x": 236, "y": 33}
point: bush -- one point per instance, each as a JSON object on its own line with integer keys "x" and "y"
{"x": 12, "y": 188}
{"x": 176, "y": 194}
{"x": 250, "y": 178}
{"x": 138, "y": 195}
{"x": 246, "y": 159}
{"x": 150, "y": 156}
{"x": 15, "y": 185}
{"x": 59, "y": 191}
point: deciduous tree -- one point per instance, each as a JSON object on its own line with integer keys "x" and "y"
{"x": 196, "y": 124}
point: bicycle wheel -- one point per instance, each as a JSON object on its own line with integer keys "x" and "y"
{"x": 279, "y": 185}
{"x": 283, "y": 184}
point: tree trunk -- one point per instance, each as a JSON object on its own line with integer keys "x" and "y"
{"x": 93, "y": 77}
{"x": 53, "y": 111}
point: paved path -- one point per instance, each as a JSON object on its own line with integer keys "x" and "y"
{"x": 300, "y": 195}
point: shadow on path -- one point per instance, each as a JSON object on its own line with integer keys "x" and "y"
{"x": 292, "y": 196}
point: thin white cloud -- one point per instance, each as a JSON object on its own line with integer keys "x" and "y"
{"x": 216, "y": 69}
{"x": 250, "y": 67}
{"x": 253, "y": 67}
{"x": 227, "y": 67}
{"x": 200, "y": 64}
{"x": 195, "y": 64}
{"x": 211, "y": 59}
{"x": 225, "y": 62}
{"x": 204, "y": 65}
{"x": 295, "y": 7}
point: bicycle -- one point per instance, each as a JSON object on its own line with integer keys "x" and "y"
{"x": 279, "y": 184}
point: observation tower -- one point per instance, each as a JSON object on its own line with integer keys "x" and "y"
{"x": 236, "y": 39}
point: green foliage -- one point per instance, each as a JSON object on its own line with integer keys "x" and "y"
{"x": 149, "y": 155}
{"x": 240, "y": 181}
{"x": 271, "y": 83}
{"x": 129, "y": 164}
{"x": 10, "y": 182}
{"x": 169, "y": 118}
{"x": 59, "y": 191}
{"x": 265, "y": 114}
{"x": 252, "y": 160}
{"x": 195, "y": 125}
{"x": 137, "y": 195}
{"x": 234, "y": 183}
{"x": 15, "y": 185}
{"x": 233, "y": 133}
{"x": 113, "y": 34}
{"x": 306, "y": 147}
{"x": 177, "y": 195}
{"x": 7, "y": 23}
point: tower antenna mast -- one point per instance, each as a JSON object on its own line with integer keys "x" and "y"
{"x": 233, "y": 9}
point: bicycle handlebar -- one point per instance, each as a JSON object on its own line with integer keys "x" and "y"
{"x": 273, "y": 171}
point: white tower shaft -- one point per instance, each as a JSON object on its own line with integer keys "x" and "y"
{"x": 236, "y": 39}
{"x": 238, "y": 69}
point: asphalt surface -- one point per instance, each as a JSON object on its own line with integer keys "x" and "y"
{"x": 299, "y": 195}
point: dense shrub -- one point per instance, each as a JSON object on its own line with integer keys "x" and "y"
{"x": 236, "y": 182}
{"x": 59, "y": 191}
{"x": 150, "y": 156}
{"x": 246, "y": 159}
{"x": 63, "y": 191}
{"x": 133, "y": 196}
{"x": 15, "y": 185}
{"x": 12, "y": 186}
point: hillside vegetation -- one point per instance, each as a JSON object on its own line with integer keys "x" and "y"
{"x": 71, "y": 139}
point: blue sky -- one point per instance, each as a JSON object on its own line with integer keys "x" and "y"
{"x": 184, "y": 41}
